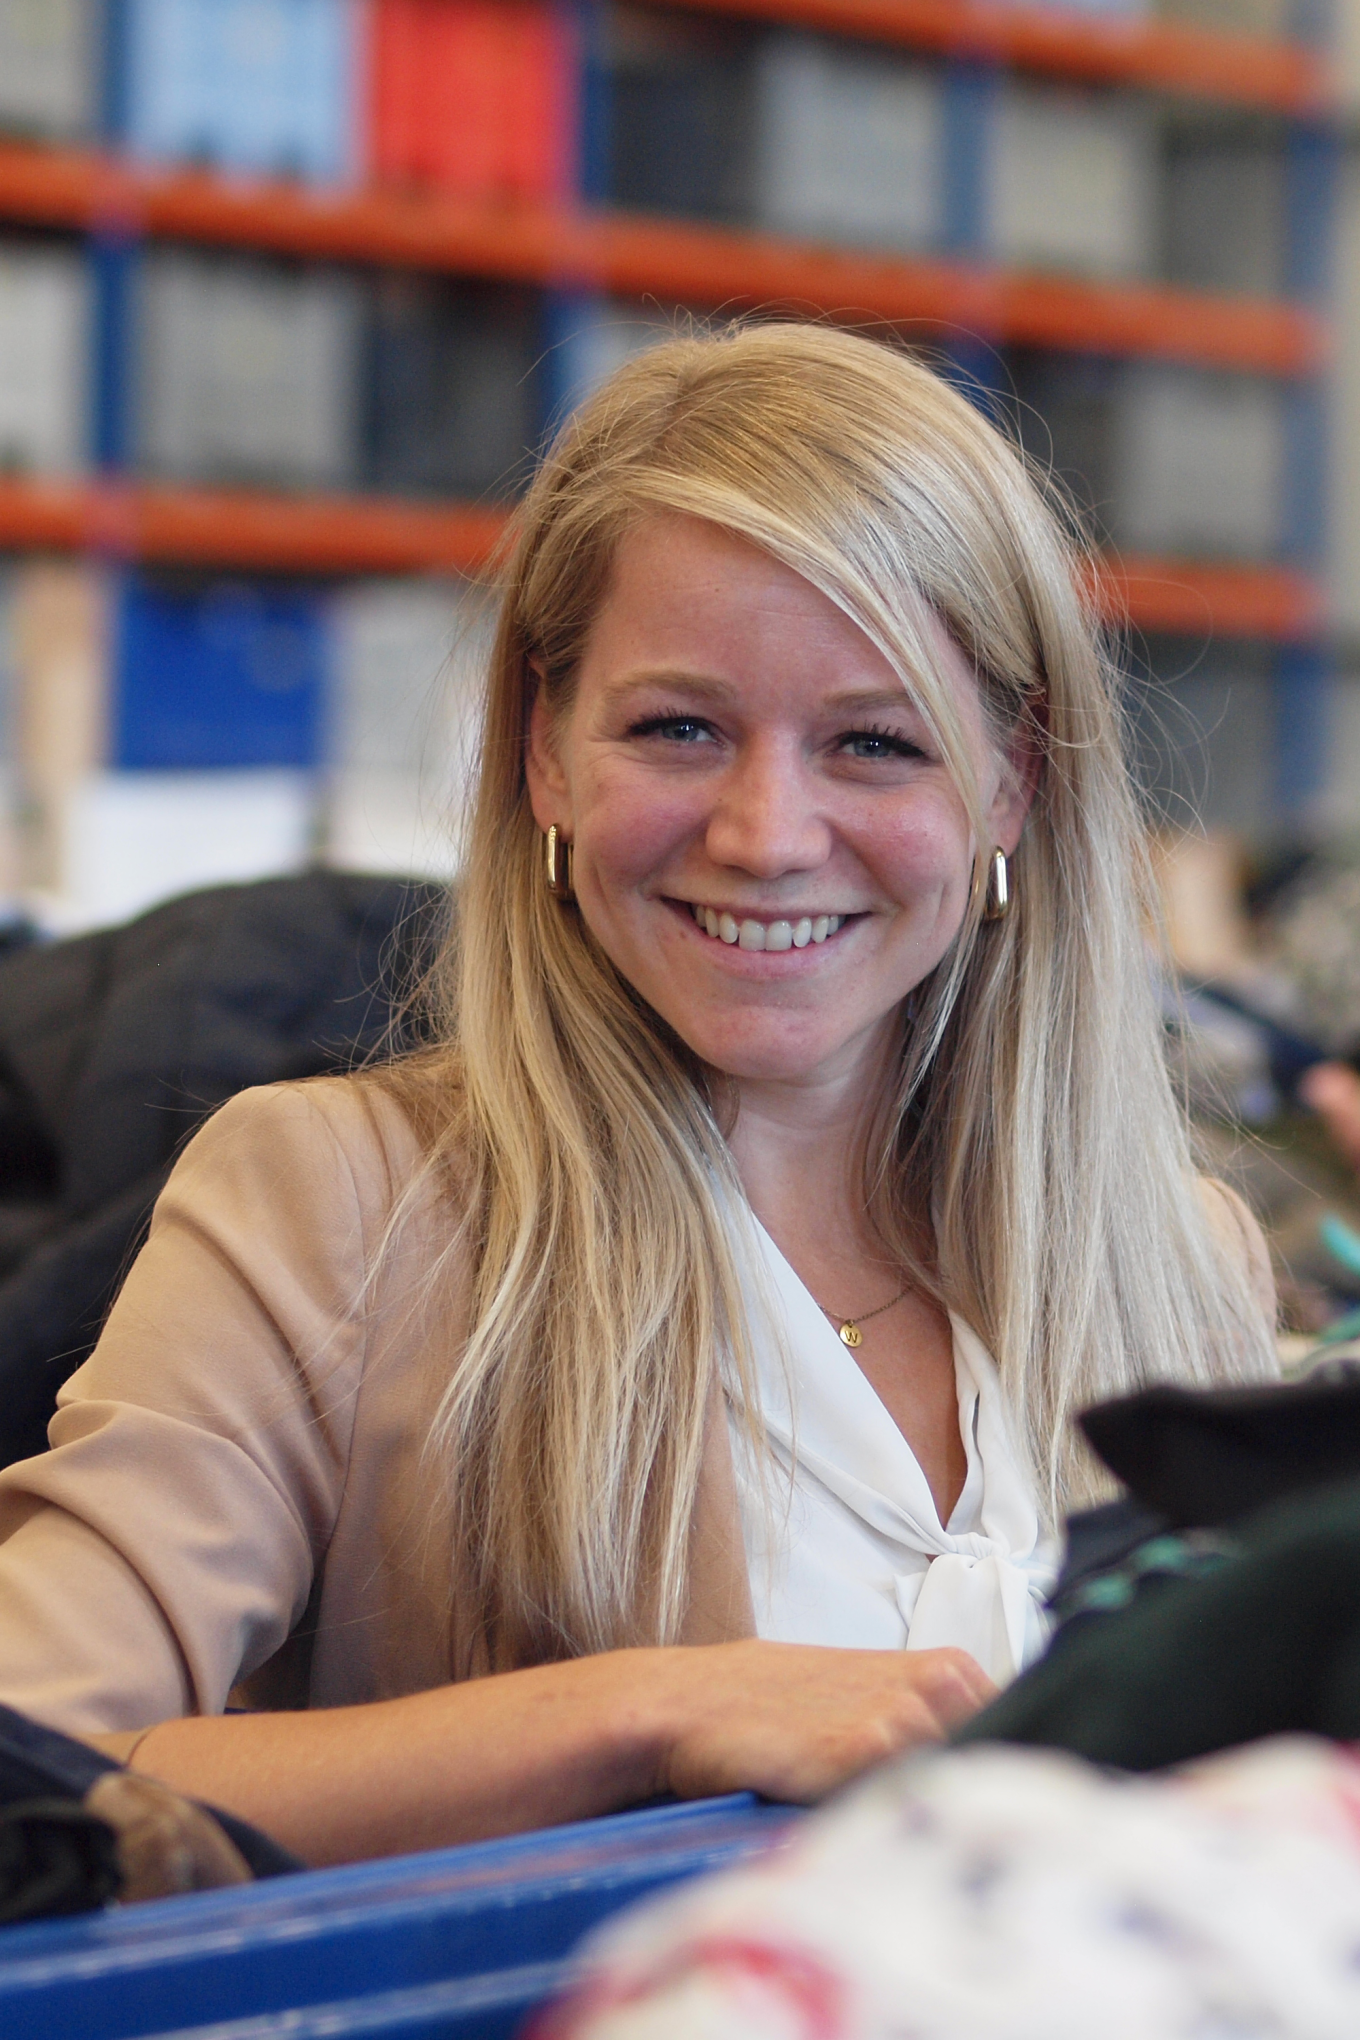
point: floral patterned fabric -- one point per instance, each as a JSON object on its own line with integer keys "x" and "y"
{"x": 1004, "y": 1894}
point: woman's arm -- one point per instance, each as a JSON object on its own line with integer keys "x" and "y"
{"x": 562, "y": 1742}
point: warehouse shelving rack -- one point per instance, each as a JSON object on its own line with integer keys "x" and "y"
{"x": 959, "y": 301}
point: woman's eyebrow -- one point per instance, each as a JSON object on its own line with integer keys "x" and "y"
{"x": 703, "y": 688}
{"x": 863, "y": 701}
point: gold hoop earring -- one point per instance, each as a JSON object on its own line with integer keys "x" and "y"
{"x": 997, "y": 904}
{"x": 560, "y": 865}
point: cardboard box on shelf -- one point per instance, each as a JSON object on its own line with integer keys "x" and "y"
{"x": 49, "y": 68}
{"x": 58, "y": 645}
{"x": 165, "y": 737}
{"x": 266, "y": 86}
{"x": 248, "y": 371}
{"x": 1071, "y": 180}
{"x": 46, "y": 305}
{"x": 59, "y": 635}
{"x": 452, "y": 397}
{"x": 849, "y": 143}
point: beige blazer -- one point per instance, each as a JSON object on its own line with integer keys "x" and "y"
{"x": 236, "y": 1490}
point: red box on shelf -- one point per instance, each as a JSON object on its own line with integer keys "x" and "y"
{"x": 472, "y": 97}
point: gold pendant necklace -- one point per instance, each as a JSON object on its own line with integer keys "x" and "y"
{"x": 848, "y": 1329}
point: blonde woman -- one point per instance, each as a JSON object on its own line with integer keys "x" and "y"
{"x": 664, "y": 1380}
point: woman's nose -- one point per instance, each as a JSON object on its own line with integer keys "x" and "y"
{"x": 765, "y": 818}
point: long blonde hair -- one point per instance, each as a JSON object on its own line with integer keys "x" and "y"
{"x": 1031, "y": 1137}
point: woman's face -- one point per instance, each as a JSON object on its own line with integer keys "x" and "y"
{"x": 767, "y": 842}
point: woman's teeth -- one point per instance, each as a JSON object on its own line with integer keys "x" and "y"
{"x": 767, "y": 934}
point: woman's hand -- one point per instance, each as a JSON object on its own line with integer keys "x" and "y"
{"x": 794, "y": 1721}
{"x": 563, "y": 1742}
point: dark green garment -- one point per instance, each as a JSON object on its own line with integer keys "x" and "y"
{"x": 1229, "y": 1608}
{"x": 1262, "y": 1643}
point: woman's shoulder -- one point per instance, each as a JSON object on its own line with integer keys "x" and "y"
{"x": 1238, "y": 1233}
{"x": 321, "y": 1151}
{"x": 315, "y": 1123}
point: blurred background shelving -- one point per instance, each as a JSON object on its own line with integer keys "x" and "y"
{"x": 290, "y": 290}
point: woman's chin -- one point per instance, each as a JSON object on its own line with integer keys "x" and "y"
{"x": 785, "y": 1061}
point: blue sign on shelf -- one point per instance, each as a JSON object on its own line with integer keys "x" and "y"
{"x": 231, "y": 674}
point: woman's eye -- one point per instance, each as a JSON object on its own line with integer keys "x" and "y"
{"x": 677, "y": 729}
{"x": 875, "y": 744}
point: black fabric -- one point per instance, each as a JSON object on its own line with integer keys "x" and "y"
{"x": 113, "y": 1048}
{"x": 54, "y": 1858}
{"x": 57, "y": 1858}
{"x": 1207, "y": 1456}
{"x": 40, "y": 1763}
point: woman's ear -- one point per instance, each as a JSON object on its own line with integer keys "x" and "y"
{"x": 549, "y": 790}
{"x": 1021, "y": 770}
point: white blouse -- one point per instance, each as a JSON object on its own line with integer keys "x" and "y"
{"x": 851, "y": 1551}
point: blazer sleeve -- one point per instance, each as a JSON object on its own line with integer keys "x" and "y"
{"x": 168, "y": 1542}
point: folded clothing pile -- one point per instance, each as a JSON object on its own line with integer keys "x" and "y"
{"x": 1000, "y": 1894}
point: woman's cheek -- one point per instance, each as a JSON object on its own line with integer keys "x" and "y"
{"x": 632, "y": 825}
{"x": 929, "y": 852}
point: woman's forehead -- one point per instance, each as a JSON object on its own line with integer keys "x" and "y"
{"x": 695, "y": 599}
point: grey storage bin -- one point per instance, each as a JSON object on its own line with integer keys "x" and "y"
{"x": 1160, "y": 459}
{"x": 49, "y": 66}
{"x": 249, "y": 371}
{"x": 1072, "y": 180}
{"x": 1270, "y": 18}
{"x": 1198, "y": 460}
{"x": 1223, "y": 208}
{"x": 849, "y": 143}
{"x": 45, "y": 328}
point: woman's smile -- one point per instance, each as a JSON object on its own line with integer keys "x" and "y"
{"x": 784, "y": 931}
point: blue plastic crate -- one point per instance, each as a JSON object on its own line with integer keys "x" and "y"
{"x": 265, "y": 86}
{"x": 231, "y": 674}
{"x": 458, "y": 1942}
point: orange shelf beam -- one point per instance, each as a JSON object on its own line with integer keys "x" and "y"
{"x": 1243, "y": 70}
{"x": 669, "y": 260}
{"x": 244, "y": 531}
{"x": 1205, "y": 598}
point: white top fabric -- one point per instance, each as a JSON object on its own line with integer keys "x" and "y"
{"x": 853, "y": 1552}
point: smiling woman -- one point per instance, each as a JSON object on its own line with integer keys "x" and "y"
{"x": 792, "y": 1155}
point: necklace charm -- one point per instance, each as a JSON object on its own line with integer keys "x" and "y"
{"x": 848, "y": 1329}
